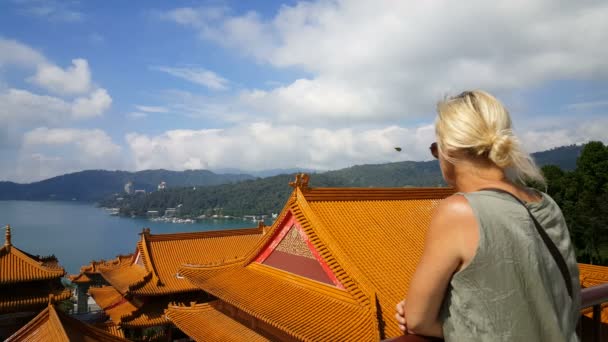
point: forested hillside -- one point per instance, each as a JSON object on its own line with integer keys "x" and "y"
{"x": 268, "y": 195}
{"x": 583, "y": 196}
{"x": 94, "y": 185}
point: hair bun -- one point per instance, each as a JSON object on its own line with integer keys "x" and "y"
{"x": 500, "y": 148}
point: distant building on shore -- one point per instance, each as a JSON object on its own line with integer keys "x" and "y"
{"x": 152, "y": 213}
{"x": 162, "y": 186}
{"x": 129, "y": 188}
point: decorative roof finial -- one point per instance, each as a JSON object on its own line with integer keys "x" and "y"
{"x": 7, "y": 236}
{"x": 301, "y": 181}
{"x": 145, "y": 231}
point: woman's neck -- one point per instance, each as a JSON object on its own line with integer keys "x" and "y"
{"x": 472, "y": 176}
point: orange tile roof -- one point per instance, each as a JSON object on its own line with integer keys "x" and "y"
{"x": 88, "y": 272}
{"x": 371, "y": 239}
{"x": 113, "y": 303}
{"x": 81, "y": 278}
{"x": 125, "y": 277}
{"x": 16, "y": 299}
{"x": 17, "y": 266}
{"x": 137, "y": 311}
{"x": 593, "y": 275}
{"x": 153, "y": 271}
{"x": 111, "y": 328}
{"x": 54, "y": 326}
{"x": 205, "y": 322}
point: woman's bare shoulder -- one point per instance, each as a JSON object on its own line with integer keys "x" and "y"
{"x": 455, "y": 207}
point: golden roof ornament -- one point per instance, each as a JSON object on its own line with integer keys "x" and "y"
{"x": 7, "y": 236}
{"x": 301, "y": 181}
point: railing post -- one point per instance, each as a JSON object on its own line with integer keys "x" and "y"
{"x": 597, "y": 323}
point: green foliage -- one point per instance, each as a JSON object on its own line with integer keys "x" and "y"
{"x": 583, "y": 196}
{"x": 268, "y": 195}
{"x": 65, "y": 306}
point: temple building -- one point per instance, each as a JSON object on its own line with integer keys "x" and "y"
{"x": 143, "y": 285}
{"x": 331, "y": 267}
{"x": 90, "y": 276}
{"x": 52, "y": 325}
{"x": 26, "y": 283}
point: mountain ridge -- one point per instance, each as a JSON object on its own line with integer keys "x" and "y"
{"x": 95, "y": 185}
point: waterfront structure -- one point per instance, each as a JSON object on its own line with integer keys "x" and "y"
{"x": 54, "y": 325}
{"x": 331, "y": 267}
{"x": 142, "y": 286}
{"x": 129, "y": 188}
{"x": 162, "y": 186}
{"x": 26, "y": 283}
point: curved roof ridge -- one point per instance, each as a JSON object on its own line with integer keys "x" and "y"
{"x": 144, "y": 249}
{"x": 39, "y": 269}
{"x": 361, "y": 194}
{"x": 204, "y": 234}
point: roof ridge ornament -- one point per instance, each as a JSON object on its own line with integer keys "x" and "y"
{"x": 145, "y": 231}
{"x": 7, "y": 236}
{"x": 301, "y": 181}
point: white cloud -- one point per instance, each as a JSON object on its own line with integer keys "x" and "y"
{"x": 152, "y": 109}
{"x": 262, "y": 145}
{"x": 200, "y": 76}
{"x": 584, "y": 106}
{"x": 51, "y": 10}
{"x": 20, "y": 107}
{"x": 93, "y": 105}
{"x": 567, "y": 132}
{"x": 48, "y": 152}
{"x": 15, "y": 53}
{"x": 374, "y": 61}
{"x": 76, "y": 79}
{"x": 136, "y": 115}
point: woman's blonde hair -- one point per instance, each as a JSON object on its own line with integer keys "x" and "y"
{"x": 476, "y": 124}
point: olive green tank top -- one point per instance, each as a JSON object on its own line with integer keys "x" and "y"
{"x": 513, "y": 290}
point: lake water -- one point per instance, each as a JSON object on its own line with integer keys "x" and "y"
{"x": 78, "y": 233}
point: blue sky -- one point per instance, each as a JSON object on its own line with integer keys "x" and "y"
{"x": 272, "y": 84}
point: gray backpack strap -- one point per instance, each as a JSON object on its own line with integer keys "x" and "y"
{"x": 557, "y": 256}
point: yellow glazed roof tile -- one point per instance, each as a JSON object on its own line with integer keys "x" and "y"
{"x": 371, "y": 239}
{"x": 54, "y": 326}
{"x": 593, "y": 275}
{"x": 31, "y": 296}
{"x": 153, "y": 271}
{"x": 302, "y": 308}
{"x": 205, "y": 322}
{"x": 17, "y": 266}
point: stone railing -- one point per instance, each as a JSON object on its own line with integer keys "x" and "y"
{"x": 592, "y": 297}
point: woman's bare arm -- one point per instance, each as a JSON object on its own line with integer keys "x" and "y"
{"x": 451, "y": 240}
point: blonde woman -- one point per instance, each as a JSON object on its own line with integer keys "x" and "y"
{"x": 498, "y": 263}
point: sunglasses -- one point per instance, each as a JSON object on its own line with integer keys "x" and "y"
{"x": 434, "y": 150}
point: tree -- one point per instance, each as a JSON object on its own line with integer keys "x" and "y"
{"x": 583, "y": 196}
